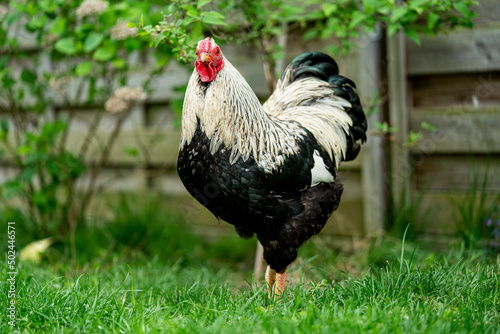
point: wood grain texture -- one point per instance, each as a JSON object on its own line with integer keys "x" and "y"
{"x": 458, "y": 130}
{"x": 442, "y": 212}
{"x": 375, "y": 201}
{"x": 459, "y": 89}
{"x": 399, "y": 118}
{"x": 488, "y": 12}
{"x": 461, "y": 51}
{"x": 456, "y": 173}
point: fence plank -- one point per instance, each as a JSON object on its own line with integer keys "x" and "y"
{"x": 162, "y": 146}
{"x": 450, "y": 173}
{"x": 477, "y": 89}
{"x": 460, "y": 51}
{"x": 458, "y": 130}
{"x": 442, "y": 211}
{"x": 488, "y": 12}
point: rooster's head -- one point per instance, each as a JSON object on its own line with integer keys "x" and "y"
{"x": 208, "y": 59}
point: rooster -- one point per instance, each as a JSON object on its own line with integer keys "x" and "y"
{"x": 270, "y": 170}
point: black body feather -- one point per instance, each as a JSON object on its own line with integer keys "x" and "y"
{"x": 254, "y": 202}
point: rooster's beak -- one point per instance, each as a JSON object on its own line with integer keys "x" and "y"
{"x": 204, "y": 57}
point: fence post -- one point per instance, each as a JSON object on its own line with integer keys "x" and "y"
{"x": 373, "y": 163}
{"x": 399, "y": 118}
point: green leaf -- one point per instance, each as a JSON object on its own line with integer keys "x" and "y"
{"x": 48, "y": 6}
{"x": 427, "y": 126}
{"x": 413, "y": 138}
{"x": 11, "y": 18}
{"x": 104, "y": 53}
{"x": 332, "y": 26}
{"x": 413, "y": 34}
{"x": 83, "y": 68}
{"x": 393, "y": 28}
{"x": 329, "y": 9}
{"x": 66, "y": 46}
{"x": 291, "y": 12}
{"x": 213, "y": 18}
{"x": 418, "y": 5}
{"x": 28, "y": 173}
{"x": 356, "y": 19}
{"x": 92, "y": 41}
{"x": 119, "y": 63}
{"x": 40, "y": 198}
{"x": 462, "y": 8}
{"x": 202, "y": 3}
{"x": 4, "y": 127}
{"x": 12, "y": 189}
{"x": 37, "y": 21}
{"x": 3, "y": 61}
{"x": 58, "y": 26}
{"x": 310, "y": 34}
{"x": 131, "y": 25}
{"x": 159, "y": 38}
{"x": 385, "y": 128}
{"x": 28, "y": 76}
{"x": 132, "y": 151}
{"x": 24, "y": 150}
{"x": 196, "y": 31}
{"x": 398, "y": 13}
{"x": 193, "y": 13}
{"x": 370, "y": 6}
{"x": 432, "y": 20}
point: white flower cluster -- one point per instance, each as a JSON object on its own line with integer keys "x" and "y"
{"x": 89, "y": 7}
{"x": 120, "y": 31}
{"x": 123, "y": 99}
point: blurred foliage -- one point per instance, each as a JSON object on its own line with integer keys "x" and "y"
{"x": 262, "y": 23}
{"x": 140, "y": 229}
{"x": 144, "y": 225}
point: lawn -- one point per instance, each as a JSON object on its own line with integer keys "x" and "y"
{"x": 454, "y": 292}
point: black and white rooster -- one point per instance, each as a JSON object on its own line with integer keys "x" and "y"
{"x": 269, "y": 169}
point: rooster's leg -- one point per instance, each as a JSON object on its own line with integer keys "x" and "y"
{"x": 275, "y": 281}
{"x": 270, "y": 280}
{"x": 279, "y": 286}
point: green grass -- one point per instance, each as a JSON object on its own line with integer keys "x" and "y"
{"x": 433, "y": 296}
{"x": 147, "y": 272}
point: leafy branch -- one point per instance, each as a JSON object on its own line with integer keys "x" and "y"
{"x": 261, "y": 23}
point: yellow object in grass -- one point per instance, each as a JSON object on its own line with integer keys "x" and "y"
{"x": 34, "y": 250}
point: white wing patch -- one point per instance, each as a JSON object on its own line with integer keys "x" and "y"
{"x": 320, "y": 173}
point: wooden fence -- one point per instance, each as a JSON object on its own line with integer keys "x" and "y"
{"x": 453, "y": 83}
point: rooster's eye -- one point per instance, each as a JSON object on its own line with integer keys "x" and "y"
{"x": 217, "y": 52}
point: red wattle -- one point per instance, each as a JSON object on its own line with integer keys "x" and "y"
{"x": 207, "y": 72}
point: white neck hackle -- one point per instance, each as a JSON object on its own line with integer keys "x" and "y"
{"x": 231, "y": 114}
